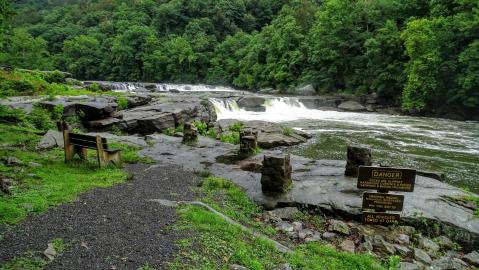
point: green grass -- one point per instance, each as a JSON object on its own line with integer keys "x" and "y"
{"x": 474, "y": 199}
{"x": 218, "y": 244}
{"x": 34, "y": 190}
{"x": 28, "y": 261}
{"x": 15, "y": 83}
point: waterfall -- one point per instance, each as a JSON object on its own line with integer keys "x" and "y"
{"x": 159, "y": 87}
{"x": 284, "y": 109}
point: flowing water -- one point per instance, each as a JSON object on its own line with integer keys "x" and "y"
{"x": 447, "y": 146}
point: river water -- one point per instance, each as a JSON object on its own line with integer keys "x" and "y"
{"x": 440, "y": 145}
{"x": 428, "y": 144}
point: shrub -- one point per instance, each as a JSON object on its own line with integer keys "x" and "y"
{"x": 180, "y": 128}
{"x": 201, "y": 126}
{"x": 41, "y": 119}
{"x": 57, "y": 114}
{"x": 122, "y": 102}
{"x": 169, "y": 131}
{"x": 232, "y": 138}
{"x": 10, "y": 115}
{"x": 212, "y": 133}
{"x": 94, "y": 87}
{"x": 236, "y": 127}
{"x": 287, "y": 131}
{"x": 54, "y": 77}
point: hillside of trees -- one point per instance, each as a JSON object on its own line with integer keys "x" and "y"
{"x": 422, "y": 53}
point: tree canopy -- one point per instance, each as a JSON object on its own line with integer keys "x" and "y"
{"x": 420, "y": 53}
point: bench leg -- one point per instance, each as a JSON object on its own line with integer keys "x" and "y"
{"x": 115, "y": 158}
{"x": 71, "y": 150}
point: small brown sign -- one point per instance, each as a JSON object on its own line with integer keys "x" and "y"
{"x": 373, "y": 218}
{"x": 383, "y": 202}
{"x": 386, "y": 179}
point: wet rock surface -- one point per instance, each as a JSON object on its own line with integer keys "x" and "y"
{"x": 322, "y": 184}
{"x": 270, "y": 135}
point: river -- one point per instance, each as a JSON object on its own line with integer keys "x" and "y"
{"x": 439, "y": 145}
{"x": 428, "y": 144}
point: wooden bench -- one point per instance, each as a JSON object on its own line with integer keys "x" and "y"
{"x": 79, "y": 143}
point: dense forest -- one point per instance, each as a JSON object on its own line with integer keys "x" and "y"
{"x": 422, "y": 53}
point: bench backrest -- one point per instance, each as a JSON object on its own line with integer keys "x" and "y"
{"x": 86, "y": 141}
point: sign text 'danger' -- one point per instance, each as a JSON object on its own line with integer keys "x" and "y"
{"x": 386, "y": 179}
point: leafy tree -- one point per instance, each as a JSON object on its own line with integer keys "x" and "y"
{"x": 24, "y": 51}
{"x": 423, "y": 67}
{"x": 83, "y": 57}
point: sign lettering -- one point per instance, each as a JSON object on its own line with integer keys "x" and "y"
{"x": 383, "y": 202}
{"x": 374, "y": 218}
{"x": 386, "y": 179}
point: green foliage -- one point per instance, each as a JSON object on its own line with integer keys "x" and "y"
{"x": 169, "y": 131}
{"x": 54, "y": 77}
{"x": 287, "y": 131}
{"x": 122, "y": 102}
{"x": 475, "y": 200}
{"x": 94, "y": 87}
{"x": 232, "y": 138}
{"x": 212, "y": 133}
{"x": 394, "y": 262}
{"x": 25, "y": 51}
{"x": 202, "y": 127}
{"x": 32, "y": 83}
{"x": 41, "y": 119}
{"x": 9, "y": 115}
{"x": 422, "y": 54}
{"x": 54, "y": 182}
{"x": 57, "y": 114}
{"x": 221, "y": 244}
{"x": 27, "y": 261}
{"x": 236, "y": 127}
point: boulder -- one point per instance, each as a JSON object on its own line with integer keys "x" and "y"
{"x": 50, "y": 140}
{"x": 270, "y": 135}
{"x": 351, "y": 105}
{"x": 422, "y": 256}
{"x": 348, "y": 246}
{"x": 102, "y": 124}
{"x": 305, "y": 90}
{"x": 357, "y": 156}
{"x": 472, "y": 258}
{"x": 69, "y": 108}
{"x": 138, "y": 100}
{"x": 155, "y": 123}
{"x": 409, "y": 266}
{"x": 95, "y": 110}
{"x": 288, "y": 213}
{"x": 428, "y": 244}
{"x": 448, "y": 263}
{"x": 252, "y": 103}
{"x": 338, "y": 226}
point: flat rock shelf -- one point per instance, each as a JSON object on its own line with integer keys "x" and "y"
{"x": 322, "y": 184}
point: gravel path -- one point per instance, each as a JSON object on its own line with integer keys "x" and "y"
{"x": 112, "y": 228}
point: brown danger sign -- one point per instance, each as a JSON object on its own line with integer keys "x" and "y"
{"x": 380, "y": 218}
{"x": 383, "y": 202}
{"x": 387, "y": 179}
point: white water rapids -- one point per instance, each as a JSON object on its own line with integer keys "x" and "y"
{"x": 433, "y": 144}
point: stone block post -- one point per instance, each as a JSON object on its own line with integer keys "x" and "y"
{"x": 248, "y": 142}
{"x": 276, "y": 174}
{"x": 190, "y": 133}
{"x": 357, "y": 156}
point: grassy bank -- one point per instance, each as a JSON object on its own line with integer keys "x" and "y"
{"x": 36, "y": 83}
{"x": 215, "y": 244}
{"x": 43, "y": 180}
